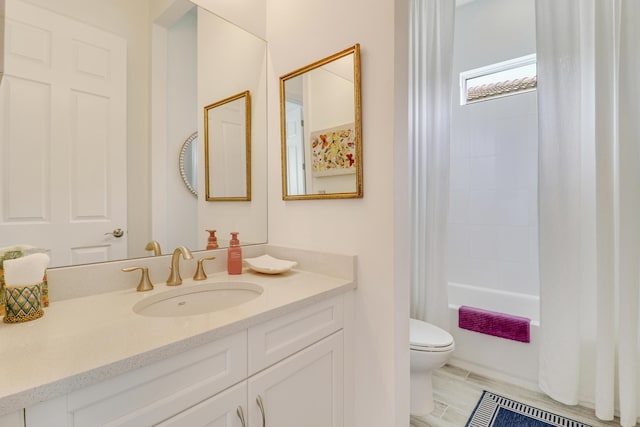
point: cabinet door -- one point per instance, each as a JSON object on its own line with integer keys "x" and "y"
{"x": 221, "y": 410}
{"x": 14, "y": 419}
{"x": 305, "y": 389}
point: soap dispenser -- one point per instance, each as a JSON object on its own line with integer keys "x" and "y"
{"x": 234, "y": 255}
{"x": 212, "y": 241}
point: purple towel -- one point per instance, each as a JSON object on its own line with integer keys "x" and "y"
{"x": 492, "y": 323}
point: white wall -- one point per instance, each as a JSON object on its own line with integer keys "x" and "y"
{"x": 231, "y": 61}
{"x": 182, "y": 109}
{"x": 247, "y": 14}
{"x": 493, "y": 201}
{"x": 300, "y": 32}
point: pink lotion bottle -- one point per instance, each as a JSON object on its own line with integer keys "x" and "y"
{"x": 234, "y": 255}
{"x": 212, "y": 241}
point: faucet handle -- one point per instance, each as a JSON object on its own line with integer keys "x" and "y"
{"x": 200, "y": 274}
{"x": 145, "y": 284}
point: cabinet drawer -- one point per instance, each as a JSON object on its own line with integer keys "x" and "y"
{"x": 278, "y": 338}
{"x": 153, "y": 393}
{"x": 220, "y": 410}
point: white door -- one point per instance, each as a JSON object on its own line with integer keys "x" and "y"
{"x": 305, "y": 389}
{"x": 295, "y": 150}
{"x": 228, "y": 149}
{"x": 226, "y": 409}
{"x": 63, "y": 137}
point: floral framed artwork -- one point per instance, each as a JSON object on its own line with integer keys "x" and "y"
{"x": 333, "y": 151}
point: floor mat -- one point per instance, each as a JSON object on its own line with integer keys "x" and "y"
{"x": 494, "y": 410}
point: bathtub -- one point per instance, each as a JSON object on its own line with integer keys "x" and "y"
{"x": 499, "y": 358}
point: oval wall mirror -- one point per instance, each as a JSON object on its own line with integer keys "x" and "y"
{"x": 188, "y": 163}
{"x": 321, "y": 129}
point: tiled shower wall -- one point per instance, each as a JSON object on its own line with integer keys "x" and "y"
{"x": 493, "y": 199}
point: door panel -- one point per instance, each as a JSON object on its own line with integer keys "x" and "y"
{"x": 295, "y": 150}
{"x": 228, "y": 150}
{"x": 25, "y": 155}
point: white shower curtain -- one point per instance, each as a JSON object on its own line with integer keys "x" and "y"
{"x": 589, "y": 202}
{"x": 430, "y": 74}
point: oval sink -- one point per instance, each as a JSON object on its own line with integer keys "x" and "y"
{"x": 197, "y": 299}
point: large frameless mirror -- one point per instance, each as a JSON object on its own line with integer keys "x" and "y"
{"x": 321, "y": 129}
{"x": 125, "y": 101}
{"x": 227, "y": 147}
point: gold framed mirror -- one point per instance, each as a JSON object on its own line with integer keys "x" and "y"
{"x": 321, "y": 129}
{"x": 227, "y": 149}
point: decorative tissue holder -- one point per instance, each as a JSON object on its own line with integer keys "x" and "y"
{"x": 23, "y": 303}
{"x": 18, "y": 252}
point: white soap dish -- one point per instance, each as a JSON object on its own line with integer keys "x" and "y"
{"x": 269, "y": 265}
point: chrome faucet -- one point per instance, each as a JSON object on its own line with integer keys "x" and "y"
{"x": 174, "y": 276}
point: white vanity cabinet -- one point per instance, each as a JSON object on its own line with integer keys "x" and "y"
{"x": 14, "y": 419}
{"x": 302, "y": 390}
{"x": 292, "y": 364}
{"x": 296, "y": 368}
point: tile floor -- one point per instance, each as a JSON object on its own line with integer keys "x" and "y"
{"x": 456, "y": 393}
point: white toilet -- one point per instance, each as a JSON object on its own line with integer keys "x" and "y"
{"x": 430, "y": 348}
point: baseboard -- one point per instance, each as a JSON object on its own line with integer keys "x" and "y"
{"x": 493, "y": 374}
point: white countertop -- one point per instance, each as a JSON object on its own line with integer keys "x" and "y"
{"x": 81, "y": 341}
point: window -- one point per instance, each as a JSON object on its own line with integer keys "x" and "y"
{"x": 497, "y": 80}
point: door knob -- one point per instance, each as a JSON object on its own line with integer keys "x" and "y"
{"x": 117, "y": 232}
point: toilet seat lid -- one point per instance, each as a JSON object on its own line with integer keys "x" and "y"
{"x": 426, "y": 335}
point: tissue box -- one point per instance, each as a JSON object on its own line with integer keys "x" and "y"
{"x": 23, "y": 303}
{"x": 13, "y": 253}
{"x": 10, "y": 254}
